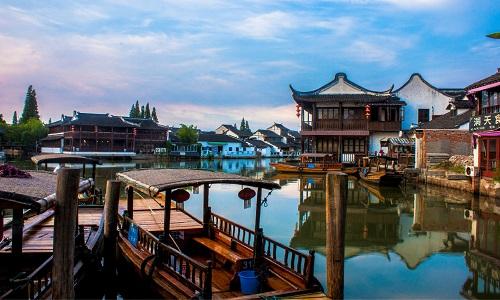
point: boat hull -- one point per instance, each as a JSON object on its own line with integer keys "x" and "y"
{"x": 382, "y": 178}
{"x": 288, "y": 168}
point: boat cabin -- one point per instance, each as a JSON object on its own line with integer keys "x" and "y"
{"x": 186, "y": 257}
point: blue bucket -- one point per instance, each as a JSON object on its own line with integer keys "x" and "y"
{"x": 249, "y": 281}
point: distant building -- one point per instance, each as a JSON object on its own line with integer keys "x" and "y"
{"x": 262, "y": 148}
{"x": 92, "y": 134}
{"x": 346, "y": 120}
{"x": 233, "y": 131}
{"x": 292, "y": 139}
{"x": 224, "y": 146}
{"x": 424, "y": 101}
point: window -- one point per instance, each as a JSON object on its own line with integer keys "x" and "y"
{"x": 354, "y": 145}
{"x": 230, "y": 148}
{"x": 328, "y": 113}
{"x": 237, "y": 149}
{"x": 423, "y": 115}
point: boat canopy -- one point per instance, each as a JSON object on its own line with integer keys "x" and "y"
{"x": 154, "y": 181}
{"x": 64, "y": 158}
{"x": 37, "y": 192}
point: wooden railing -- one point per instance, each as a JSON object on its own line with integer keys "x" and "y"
{"x": 297, "y": 262}
{"x": 236, "y": 231}
{"x": 385, "y": 126}
{"x": 196, "y": 276}
{"x": 291, "y": 259}
{"x": 40, "y": 281}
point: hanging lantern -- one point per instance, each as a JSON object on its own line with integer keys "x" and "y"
{"x": 368, "y": 111}
{"x": 180, "y": 195}
{"x": 246, "y": 194}
{"x": 298, "y": 110}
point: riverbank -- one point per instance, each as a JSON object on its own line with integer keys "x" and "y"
{"x": 485, "y": 186}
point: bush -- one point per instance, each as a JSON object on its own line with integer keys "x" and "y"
{"x": 449, "y": 166}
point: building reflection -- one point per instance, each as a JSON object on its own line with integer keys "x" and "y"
{"x": 413, "y": 224}
{"x": 483, "y": 257}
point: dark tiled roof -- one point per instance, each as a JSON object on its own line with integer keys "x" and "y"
{"x": 240, "y": 133}
{"x": 279, "y": 144}
{"x": 356, "y": 98}
{"x": 212, "y": 137}
{"x": 488, "y": 80}
{"x": 268, "y": 133}
{"x": 461, "y": 104}
{"x": 335, "y": 81}
{"x": 145, "y": 123}
{"x": 258, "y": 143}
{"x": 294, "y": 134}
{"x": 447, "y": 121}
{"x": 94, "y": 119}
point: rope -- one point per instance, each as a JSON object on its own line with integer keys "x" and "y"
{"x": 264, "y": 201}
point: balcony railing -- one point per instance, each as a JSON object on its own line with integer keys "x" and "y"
{"x": 353, "y": 124}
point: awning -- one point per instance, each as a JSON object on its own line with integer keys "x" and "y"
{"x": 482, "y": 88}
{"x": 401, "y": 141}
{"x": 492, "y": 133}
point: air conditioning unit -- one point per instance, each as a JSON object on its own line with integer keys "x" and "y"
{"x": 471, "y": 171}
{"x": 468, "y": 214}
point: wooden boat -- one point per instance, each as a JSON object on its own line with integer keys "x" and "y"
{"x": 377, "y": 171}
{"x": 93, "y": 195}
{"x": 26, "y": 246}
{"x": 183, "y": 257}
{"x": 314, "y": 163}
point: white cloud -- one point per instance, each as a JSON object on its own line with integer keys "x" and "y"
{"x": 267, "y": 26}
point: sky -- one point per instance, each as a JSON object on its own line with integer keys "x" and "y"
{"x": 212, "y": 62}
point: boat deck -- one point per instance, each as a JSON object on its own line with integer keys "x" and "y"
{"x": 149, "y": 215}
{"x": 39, "y": 230}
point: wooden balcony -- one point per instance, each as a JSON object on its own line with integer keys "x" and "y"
{"x": 354, "y": 124}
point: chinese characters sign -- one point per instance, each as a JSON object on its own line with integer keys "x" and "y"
{"x": 485, "y": 122}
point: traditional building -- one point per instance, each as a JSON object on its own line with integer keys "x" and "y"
{"x": 262, "y": 148}
{"x": 93, "y": 134}
{"x": 346, "y": 120}
{"x": 425, "y": 101}
{"x": 233, "y": 131}
{"x": 485, "y": 124}
{"x": 224, "y": 146}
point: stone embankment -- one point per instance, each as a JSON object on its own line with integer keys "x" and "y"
{"x": 459, "y": 181}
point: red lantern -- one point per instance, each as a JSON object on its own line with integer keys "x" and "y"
{"x": 368, "y": 111}
{"x": 180, "y": 195}
{"x": 246, "y": 194}
{"x": 298, "y": 110}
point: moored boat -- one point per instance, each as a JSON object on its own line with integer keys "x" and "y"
{"x": 381, "y": 170}
{"x": 314, "y": 163}
{"x": 26, "y": 240}
{"x": 184, "y": 257}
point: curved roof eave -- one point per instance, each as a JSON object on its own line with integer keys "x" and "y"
{"x": 426, "y": 83}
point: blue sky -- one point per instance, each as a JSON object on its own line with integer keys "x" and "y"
{"x": 211, "y": 62}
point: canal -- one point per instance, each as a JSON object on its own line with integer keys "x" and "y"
{"x": 408, "y": 242}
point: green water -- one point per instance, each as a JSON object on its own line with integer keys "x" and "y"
{"x": 410, "y": 242}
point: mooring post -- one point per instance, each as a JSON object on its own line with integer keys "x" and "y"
{"x": 65, "y": 212}
{"x": 110, "y": 234}
{"x": 336, "y": 198}
{"x": 130, "y": 202}
{"x": 206, "y": 209}
{"x": 166, "y": 216}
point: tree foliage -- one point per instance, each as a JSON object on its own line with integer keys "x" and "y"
{"x": 26, "y": 134}
{"x": 137, "y": 110}
{"x": 30, "y": 110}
{"x": 247, "y": 127}
{"x": 14, "y": 118}
{"x": 188, "y": 134}
{"x": 147, "y": 112}
{"x": 242, "y": 124}
{"x": 153, "y": 115}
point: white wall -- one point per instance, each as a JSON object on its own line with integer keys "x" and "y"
{"x": 419, "y": 95}
{"x": 374, "y": 142}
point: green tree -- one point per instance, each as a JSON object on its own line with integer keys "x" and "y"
{"x": 137, "y": 110}
{"x": 14, "y": 118}
{"x": 147, "y": 112}
{"x": 247, "y": 127}
{"x": 242, "y": 124}
{"x": 142, "y": 113}
{"x": 30, "y": 110}
{"x": 50, "y": 120}
{"x": 2, "y": 121}
{"x": 132, "y": 112}
{"x": 153, "y": 115}
{"x": 27, "y": 134}
{"x": 188, "y": 134}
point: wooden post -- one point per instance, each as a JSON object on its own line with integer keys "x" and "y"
{"x": 110, "y": 234}
{"x": 130, "y": 202}
{"x": 257, "y": 243}
{"x": 336, "y": 198}
{"x": 17, "y": 230}
{"x": 207, "y": 291}
{"x": 65, "y": 212}
{"x": 206, "y": 213}
{"x": 166, "y": 216}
